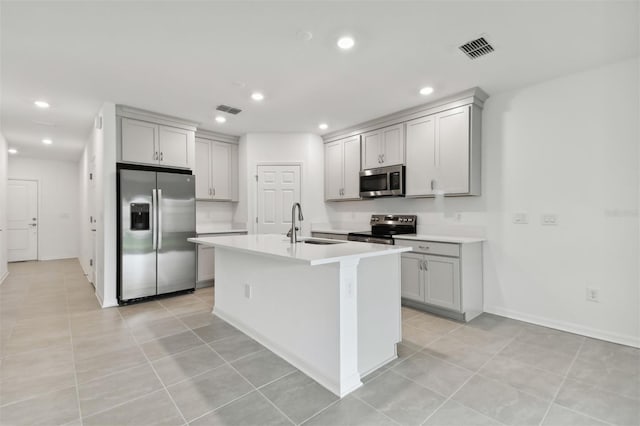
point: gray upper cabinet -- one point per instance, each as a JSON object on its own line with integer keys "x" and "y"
{"x": 439, "y": 143}
{"x": 216, "y": 170}
{"x": 174, "y": 146}
{"x": 139, "y": 141}
{"x": 383, "y": 147}
{"x": 154, "y": 139}
{"x": 342, "y": 169}
{"x": 443, "y": 153}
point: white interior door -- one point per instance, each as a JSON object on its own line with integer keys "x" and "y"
{"x": 22, "y": 220}
{"x": 278, "y": 189}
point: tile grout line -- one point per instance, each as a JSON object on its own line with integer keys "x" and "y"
{"x": 321, "y": 411}
{"x": 564, "y": 380}
{"x": 256, "y": 388}
{"x": 509, "y": 341}
{"x": 154, "y": 370}
{"x": 73, "y": 358}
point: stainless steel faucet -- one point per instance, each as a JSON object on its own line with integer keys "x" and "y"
{"x": 293, "y": 232}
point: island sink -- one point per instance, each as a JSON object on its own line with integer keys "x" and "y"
{"x": 319, "y": 242}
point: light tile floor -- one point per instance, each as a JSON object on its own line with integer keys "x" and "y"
{"x": 63, "y": 360}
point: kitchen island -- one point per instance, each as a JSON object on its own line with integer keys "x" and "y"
{"x": 331, "y": 310}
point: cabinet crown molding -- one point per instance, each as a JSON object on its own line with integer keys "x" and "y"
{"x": 156, "y": 118}
{"x": 475, "y": 96}
{"x": 216, "y": 136}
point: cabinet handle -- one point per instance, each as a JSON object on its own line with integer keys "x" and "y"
{"x": 209, "y": 191}
{"x": 424, "y": 247}
{"x": 155, "y": 155}
{"x": 425, "y": 266}
{"x": 382, "y": 156}
{"x": 161, "y": 156}
{"x": 433, "y": 184}
{"x": 420, "y": 265}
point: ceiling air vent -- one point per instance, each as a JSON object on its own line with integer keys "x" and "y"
{"x": 476, "y": 48}
{"x": 230, "y": 110}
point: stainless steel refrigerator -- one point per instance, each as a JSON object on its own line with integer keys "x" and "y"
{"x": 157, "y": 213}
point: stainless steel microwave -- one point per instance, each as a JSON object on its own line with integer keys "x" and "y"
{"x": 382, "y": 182}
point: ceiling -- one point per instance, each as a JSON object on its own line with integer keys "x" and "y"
{"x": 184, "y": 58}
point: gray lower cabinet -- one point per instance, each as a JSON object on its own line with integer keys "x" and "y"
{"x": 443, "y": 278}
{"x": 431, "y": 279}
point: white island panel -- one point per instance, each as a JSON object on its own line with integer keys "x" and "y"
{"x": 333, "y": 314}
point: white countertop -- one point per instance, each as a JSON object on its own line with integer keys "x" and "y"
{"x": 277, "y": 245}
{"x": 217, "y": 229}
{"x": 441, "y": 238}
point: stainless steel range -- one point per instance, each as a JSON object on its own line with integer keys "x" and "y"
{"x": 384, "y": 227}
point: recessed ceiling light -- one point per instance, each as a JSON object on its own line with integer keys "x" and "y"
{"x": 426, "y": 91}
{"x": 13, "y": 151}
{"x": 41, "y": 104}
{"x": 346, "y": 43}
{"x": 323, "y": 126}
{"x": 47, "y": 141}
{"x": 257, "y": 96}
{"x": 220, "y": 119}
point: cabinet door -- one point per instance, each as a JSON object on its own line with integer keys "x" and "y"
{"x": 206, "y": 263}
{"x": 174, "y": 146}
{"x": 139, "y": 141}
{"x": 203, "y": 169}
{"x": 220, "y": 170}
{"x": 351, "y": 169}
{"x": 442, "y": 282}
{"x": 393, "y": 145}
{"x": 412, "y": 285}
{"x": 452, "y": 145}
{"x": 233, "y": 169}
{"x": 372, "y": 150}
{"x": 421, "y": 156}
{"x": 333, "y": 169}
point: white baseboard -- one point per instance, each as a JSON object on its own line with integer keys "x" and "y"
{"x": 566, "y": 326}
{"x": 300, "y": 364}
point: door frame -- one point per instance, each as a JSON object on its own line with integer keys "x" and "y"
{"x": 38, "y": 204}
{"x": 254, "y": 224}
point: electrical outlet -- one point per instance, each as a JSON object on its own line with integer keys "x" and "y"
{"x": 247, "y": 291}
{"x": 593, "y": 294}
{"x": 549, "y": 219}
{"x": 520, "y": 218}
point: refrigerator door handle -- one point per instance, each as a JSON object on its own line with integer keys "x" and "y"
{"x": 154, "y": 228}
{"x": 159, "y": 227}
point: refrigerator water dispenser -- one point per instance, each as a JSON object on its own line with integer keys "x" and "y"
{"x": 139, "y": 216}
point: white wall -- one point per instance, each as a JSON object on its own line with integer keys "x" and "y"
{"x": 100, "y": 155}
{"x": 303, "y": 148}
{"x": 568, "y": 146}
{"x": 58, "y": 236}
{"x": 3, "y": 207}
{"x": 210, "y": 213}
